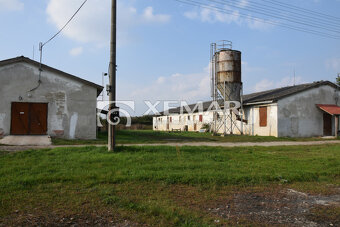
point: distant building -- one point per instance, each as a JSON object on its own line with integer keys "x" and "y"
{"x": 306, "y": 110}
{"x": 60, "y": 105}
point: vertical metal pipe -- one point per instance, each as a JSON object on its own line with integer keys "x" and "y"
{"x": 336, "y": 125}
{"x": 224, "y": 110}
{"x": 242, "y": 110}
{"x": 112, "y": 73}
{"x": 215, "y": 87}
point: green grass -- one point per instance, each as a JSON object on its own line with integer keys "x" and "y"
{"x": 149, "y": 136}
{"x": 143, "y": 184}
{"x": 186, "y": 165}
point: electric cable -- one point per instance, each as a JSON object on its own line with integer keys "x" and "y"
{"x": 230, "y": 12}
{"x": 41, "y": 45}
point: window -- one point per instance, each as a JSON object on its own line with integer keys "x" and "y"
{"x": 201, "y": 118}
{"x": 263, "y": 116}
{"x": 188, "y": 118}
{"x": 170, "y": 119}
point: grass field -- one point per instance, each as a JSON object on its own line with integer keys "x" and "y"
{"x": 156, "y": 186}
{"x": 149, "y": 136}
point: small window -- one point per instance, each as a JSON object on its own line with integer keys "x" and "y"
{"x": 188, "y": 118}
{"x": 263, "y": 116}
{"x": 201, "y": 118}
{"x": 170, "y": 119}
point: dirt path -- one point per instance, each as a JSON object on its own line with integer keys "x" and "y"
{"x": 194, "y": 144}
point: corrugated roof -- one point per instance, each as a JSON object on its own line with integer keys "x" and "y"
{"x": 267, "y": 96}
{"x": 46, "y": 67}
{"x": 331, "y": 109}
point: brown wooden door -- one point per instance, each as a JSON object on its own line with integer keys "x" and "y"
{"x": 327, "y": 124}
{"x": 263, "y": 116}
{"x": 29, "y": 119}
{"x": 19, "y": 119}
{"x": 38, "y": 119}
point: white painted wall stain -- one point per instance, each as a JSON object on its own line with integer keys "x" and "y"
{"x": 73, "y": 125}
{"x": 2, "y": 120}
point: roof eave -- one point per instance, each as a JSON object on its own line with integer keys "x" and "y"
{"x": 30, "y": 61}
{"x": 259, "y": 103}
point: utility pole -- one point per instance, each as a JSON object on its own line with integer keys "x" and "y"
{"x": 112, "y": 73}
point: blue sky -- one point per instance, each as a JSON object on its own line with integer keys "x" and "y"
{"x": 163, "y": 45}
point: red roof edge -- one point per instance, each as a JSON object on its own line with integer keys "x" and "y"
{"x": 329, "y": 108}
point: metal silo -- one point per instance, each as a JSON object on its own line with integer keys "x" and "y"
{"x": 226, "y": 84}
{"x": 228, "y": 74}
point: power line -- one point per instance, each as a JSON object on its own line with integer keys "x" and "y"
{"x": 275, "y": 16}
{"x": 297, "y": 10}
{"x": 81, "y": 6}
{"x": 214, "y": 8}
{"x": 41, "y": 45}
{"x": 289, "y": 13}
{"x": 290, "y": 6}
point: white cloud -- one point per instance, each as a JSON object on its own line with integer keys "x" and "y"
{"x": 266, "y": 84}
{"x": 178, "y": 86}
{"x": 333, "y": 64}
{"x": 243, "y": 3}
{"x": 149, "y": 16}
{"x": 258, "y": 24}
{"x": 228, "y": 16}
{"x": 11, "y": 5}
{"x": 76, "y": 51}
{"x": 212, "y": 16}
{"x": 263, "y": 85}
{"x": 191, "y": 15}
{"x": 92, "y": 23}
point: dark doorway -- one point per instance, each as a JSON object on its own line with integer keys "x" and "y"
{"x": 327, "y": 124}
{"x": 29, "y": 118}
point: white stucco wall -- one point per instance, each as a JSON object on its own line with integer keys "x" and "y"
{"x": 71, "y": 104}
{"x": 298, "y": 115}
{"x": 252, "y": 127}
{"x": 180, "y": 121}
{"x": 253, "y": 117}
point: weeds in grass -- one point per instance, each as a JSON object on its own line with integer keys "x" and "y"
{"x": 178, "y": 149}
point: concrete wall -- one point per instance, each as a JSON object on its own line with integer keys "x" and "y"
{"x": 299, "y": 116}
{"x": 71, "y": 104}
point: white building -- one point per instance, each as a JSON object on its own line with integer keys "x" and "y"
{"x": 306, "y": 110}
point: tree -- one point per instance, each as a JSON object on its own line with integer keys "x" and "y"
{"x": 338, "y": 80}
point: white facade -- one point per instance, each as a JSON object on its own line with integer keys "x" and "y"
{"x": 294, "y": 115}
{"x": 183, "y": 122}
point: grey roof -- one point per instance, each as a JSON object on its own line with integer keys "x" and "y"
{"x": 266, "y": 96}
{"x": 279, "y": 93}
{"x": 46, "y": 67}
